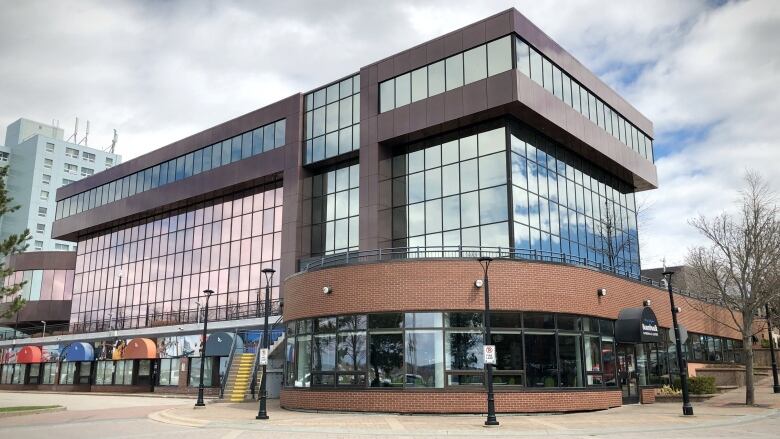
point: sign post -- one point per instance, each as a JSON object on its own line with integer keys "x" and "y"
{"x": 263, "y": 359}
{"x": 489, "y": 352}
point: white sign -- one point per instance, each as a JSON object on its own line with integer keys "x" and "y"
{"x": 489, "y": 351}
{"x": 263, "y": 361}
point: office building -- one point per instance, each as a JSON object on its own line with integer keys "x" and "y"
{"x": 372, "y": 197}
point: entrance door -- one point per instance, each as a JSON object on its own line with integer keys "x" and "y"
{"x": 627, "y": 376}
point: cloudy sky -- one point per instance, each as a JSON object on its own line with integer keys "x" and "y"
{"x": 707, "y": 73}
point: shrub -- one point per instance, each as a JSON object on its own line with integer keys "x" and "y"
{"x": 668, "y": 390}
{"x": 698, "y": 385}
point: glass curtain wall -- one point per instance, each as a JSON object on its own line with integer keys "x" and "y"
{"x": 332, "y": 120}
{"x": 154, "y": 269}
{"x": 332, "y": 198}
{"x": 440, "y": 350}
{"x": 456, "y": 190}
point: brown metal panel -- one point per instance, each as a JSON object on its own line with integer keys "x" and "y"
{"x": 385, "y": 125}
{"x": 473, "y": 35}
{"x": 418, "y": 118}
{"x": 453, "y": 43}
{"x": 475, "y": 97}
{"x": 498, "y": 25}
{"x": 418, "y": 57}
{"x": 43, "y": 260}
{"x": 453, "y": 104}
{"x": 435, "y": 50}
{"x": 401, "y": 63}
{"x": 499, "y": 89}
{"x": 385, "y": 70}
{"x": 435, "y": 109}
{"x": 401, "y": 121}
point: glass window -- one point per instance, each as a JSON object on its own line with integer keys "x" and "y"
{"x": 499, "y": 53}
{"x": 386, "y": 365}
{"x": 464, "y": 353}
{"x": 540, "y": 357}
{"x": 386, "y": 96}
{"x": 423, "y": 357}
{"x": 436, "y": 78}
{"x": 403, "y": 90}
{"x": 536, "y": 66}
{"x": 570, "y": 353}
{"x": 475, "y": 64}
{"x": 454, "y": 71}
{"x": 419, "y": 84}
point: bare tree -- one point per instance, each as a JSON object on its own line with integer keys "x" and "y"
{"x": 741, "y": 266}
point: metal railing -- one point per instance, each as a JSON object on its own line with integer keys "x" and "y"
{"x": 150, "y": 320}
{"x": 471, "y": 252}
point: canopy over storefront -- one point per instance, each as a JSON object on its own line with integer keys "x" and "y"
{"x": 140, "y": 349}
{"x": 637, "y": 325}
{"x": 29, "y": 354}
{"x": 219, "y": 344}
{"x": 79, "y": 352}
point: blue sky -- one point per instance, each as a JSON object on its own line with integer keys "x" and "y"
{"x": 705, "y": 72}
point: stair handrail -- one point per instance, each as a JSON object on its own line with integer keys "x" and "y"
{"x": 253, "y": 384}
{"x": 229, "y": 364}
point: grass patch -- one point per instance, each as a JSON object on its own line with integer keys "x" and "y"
{"x": 26, "y": 408}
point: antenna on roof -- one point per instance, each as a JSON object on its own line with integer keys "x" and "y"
{"x": 86, "y": 136}
{"x": 112, "y": 148}
{"x": 75, "y": 135}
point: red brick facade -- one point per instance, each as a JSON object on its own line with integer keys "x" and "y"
{"x": 448, "y": 402}
{"x": 446, "y": 284}
{"x": 647, "y": 395}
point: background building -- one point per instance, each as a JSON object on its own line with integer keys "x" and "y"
{"x": 41, "y": 161}
{"x": 371, "y": 197}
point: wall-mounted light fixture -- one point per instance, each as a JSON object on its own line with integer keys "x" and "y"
{"x": 327, "y": 290}
{"x": 478, "y": 283}
{"x": 677, "y": 310}
{"x": 602, "y": 292}
{"x": 647, "y": 302}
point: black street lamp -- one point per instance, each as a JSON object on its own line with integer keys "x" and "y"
{"x": 491, "y": 404}
{"x": 682, "y": 366}
{"x": 200, "y": 402}
{"x": 776, "y": 385}
{"x": 262, "y": 413}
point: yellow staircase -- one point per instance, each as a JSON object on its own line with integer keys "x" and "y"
{"x": 239, "y": 377}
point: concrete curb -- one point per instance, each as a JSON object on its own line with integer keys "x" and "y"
{"x": 32, "y": 412}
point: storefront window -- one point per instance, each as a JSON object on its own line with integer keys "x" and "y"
{"x": 570, "y": 354}
{"x": 424, "y": 362}
{"x": 68, "y": 372}
{"x": 464, "y": 353}
{"x": 540, "y": 357}
{"x": 49, "y": 373}
{"x": 169, "y": 372}
{"x": 18, "y": 374}
{"x": 386, "y": 368}
{"x": 195, "y": 371}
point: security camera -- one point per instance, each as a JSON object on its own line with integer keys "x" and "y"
{"x": 601, "y": 292}
{"x": 327, "y": 290}
{"x": 478, "y": 283}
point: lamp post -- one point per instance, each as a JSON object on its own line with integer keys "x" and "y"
{"x": 687, "y": 407}
{"x": 491, "y": 404}
{"x": 200, "y": 402}
{"x": 262, "y": 413}
{"x": 43, "y": 337}
{"x": 119, "y": 274}
{"x": 776, "y": 386}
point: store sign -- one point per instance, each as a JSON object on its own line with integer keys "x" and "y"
{"x": 489, "y": 352}
{"x": 263, "y": 360}
{"x": 637, "y": 325}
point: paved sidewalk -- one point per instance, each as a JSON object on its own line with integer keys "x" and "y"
{"x": 723, "y": 413}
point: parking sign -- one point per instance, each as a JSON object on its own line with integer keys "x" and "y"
{"x": 490, "y": 354}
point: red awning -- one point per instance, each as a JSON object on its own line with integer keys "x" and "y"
{"x": 29, "y": 354}
{"x": 140, "y": 349}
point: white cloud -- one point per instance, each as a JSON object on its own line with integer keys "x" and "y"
{"x": 159, "y": 71}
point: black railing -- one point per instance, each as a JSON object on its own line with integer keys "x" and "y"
{"x": 150, "y": 320}
{"x": 467, "y": 252}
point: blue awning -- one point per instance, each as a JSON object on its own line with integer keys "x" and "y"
{"x": 79, "y": 352}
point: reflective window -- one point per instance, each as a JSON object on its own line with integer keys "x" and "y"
{"x": 541, "y": 70}
{"x": 333, "y": 199}
{"x": 333, "y": 127}
{"x": 202, "y": 160}
{"x": 151, "y": 269}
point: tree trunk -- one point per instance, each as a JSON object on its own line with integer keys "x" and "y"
{"x": 747, "y": 348}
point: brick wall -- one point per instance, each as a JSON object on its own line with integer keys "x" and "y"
{"x": 446, "y": 284}
{"x": 448, "y": 402}
{"x": 647, "y": 395}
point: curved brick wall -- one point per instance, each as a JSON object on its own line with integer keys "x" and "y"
{"x": 448, "y": 402}
{"x": 448, "y": 284}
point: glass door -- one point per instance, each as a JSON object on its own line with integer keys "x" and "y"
{"x": 627, "y": 376}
